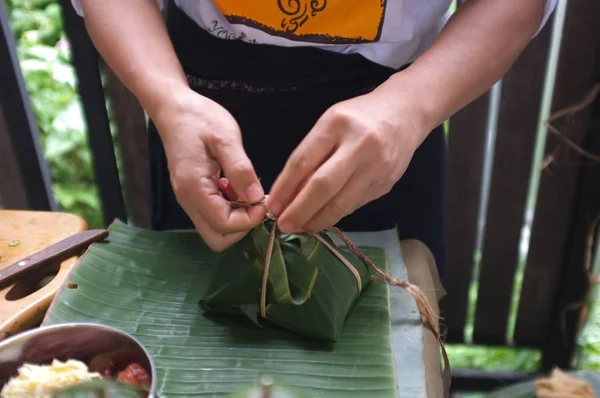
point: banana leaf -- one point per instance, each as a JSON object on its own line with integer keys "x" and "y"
{"x": 100, "y": 389}
{"x": 267, "y": 388}
{"x": 310, "y": 290}
{"x": 149, "y": 283}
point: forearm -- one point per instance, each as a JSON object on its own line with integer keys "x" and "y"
{"x": 474, "y": 50}
{"x": 131, "y": 37}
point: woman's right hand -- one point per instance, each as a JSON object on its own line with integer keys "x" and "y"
{"x": 201, "y": 138}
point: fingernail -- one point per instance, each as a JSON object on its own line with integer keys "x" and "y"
{"x": 287, "y": 227}
{"x": 254, "y": 193}
{"x": 274, "y": 207}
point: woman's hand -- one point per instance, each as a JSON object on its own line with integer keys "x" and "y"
{"x": 361, "y": 147}
{"x": 201, "y": 138}
{"x": 354, "y": 154}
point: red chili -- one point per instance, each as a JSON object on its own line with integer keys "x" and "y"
{"x": 135, "y": 375}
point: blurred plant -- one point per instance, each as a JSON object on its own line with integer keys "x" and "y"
{"x": 44, "y": 55}
{"x": 493, "y": 358}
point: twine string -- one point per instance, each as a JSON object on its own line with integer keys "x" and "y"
{"x": 425, "y": 310}
{"x": 269, "y": 254}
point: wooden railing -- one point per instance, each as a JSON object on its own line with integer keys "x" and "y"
{"x": 551, "y": 245}
{"x": 509, "y": 217}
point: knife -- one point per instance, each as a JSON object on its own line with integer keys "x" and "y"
{"x": 66, "y": 248}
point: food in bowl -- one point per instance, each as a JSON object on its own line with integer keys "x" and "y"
{"x": 44, "y": 380}
{"x": 133, "y": 375}
{"x": 95, "y": 360}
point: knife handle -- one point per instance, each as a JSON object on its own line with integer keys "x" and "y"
{"x": 60, "y": 251}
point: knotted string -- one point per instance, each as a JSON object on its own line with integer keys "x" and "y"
{"x": 425, "y": 310}
{"x": 269, "y": 254}
{"x": 427, "y": 313}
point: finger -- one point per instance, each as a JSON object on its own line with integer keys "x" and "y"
{"x": 227, "y": 189}
{"x": 216, "y": 240}
{"x": 216, "y": 210}
{"x": 359, "y": 190}
{"x": 320, "y": 188}
{"x": 227, "y": 219}
{"x": 238, "y": 169}
{"x": 302, "y": 163}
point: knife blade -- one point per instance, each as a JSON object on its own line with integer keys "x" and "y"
{"x": 60, "y": 251}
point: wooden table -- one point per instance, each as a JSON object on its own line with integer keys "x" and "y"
{"x": 416, "y": 350}
{"x": 21, "y": 305}
{"x": 422, "y": 271}
{"x": 37, "y": 230}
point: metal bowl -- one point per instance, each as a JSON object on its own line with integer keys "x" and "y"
{"x": 95, "y": 345}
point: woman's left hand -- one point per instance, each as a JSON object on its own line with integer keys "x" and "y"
{"x": 354, "y": 154}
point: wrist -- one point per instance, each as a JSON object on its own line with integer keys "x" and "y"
{"x": 165, "y": 98}
{"x": 412, "y": 102}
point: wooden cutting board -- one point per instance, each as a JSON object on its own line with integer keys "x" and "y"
{"x": 23, "y": 304}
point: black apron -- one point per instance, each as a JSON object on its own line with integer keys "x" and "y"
{"x": 276, "y": 94}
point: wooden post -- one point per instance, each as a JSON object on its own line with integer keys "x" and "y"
{"x": 85, "y": 61}
{"x": 133, "y": 141}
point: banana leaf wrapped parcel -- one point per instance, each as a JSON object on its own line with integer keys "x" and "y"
{"x": 301, "y": 282}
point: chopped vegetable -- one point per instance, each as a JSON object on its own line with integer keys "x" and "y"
{"x": 15, "y": 242}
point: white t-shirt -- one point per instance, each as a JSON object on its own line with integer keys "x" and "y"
{"x": 389, "y": 32}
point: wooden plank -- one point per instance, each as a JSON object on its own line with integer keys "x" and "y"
{"x": 575, "y": 285}
{"x": 465, "y": 162}
{"x": 554, "y": 235}
{"x": 89, "y": 84}
{"x": 12, "y": 189}
{"x": 522, "y": 87}
{"x": 466, "y": 146}
{"x": 133, "y": 141}
{"x": 475, "y": 380}
{"x": 575, "y": 282}
{"x": 422, "y": 270}
{"x": 24, "y": 303}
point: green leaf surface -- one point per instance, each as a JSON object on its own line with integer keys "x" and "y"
{"x": 334, "y": 294}
{"x": 279, "y": 272}
{"x": 100, "y": 389}
{"x": 149, "y": 283}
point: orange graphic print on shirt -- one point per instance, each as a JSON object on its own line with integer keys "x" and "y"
{"x": 319, "y": 21}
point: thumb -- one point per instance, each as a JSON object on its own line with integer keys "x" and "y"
{"x": 238, "y": 169}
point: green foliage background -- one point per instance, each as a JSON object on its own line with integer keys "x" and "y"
{"x": 51, "y": 83}
{"x": 50, "y": 79}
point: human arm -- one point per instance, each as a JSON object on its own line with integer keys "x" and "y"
{"x": 200, "y": 137}
{"x": 361, "y": 147}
